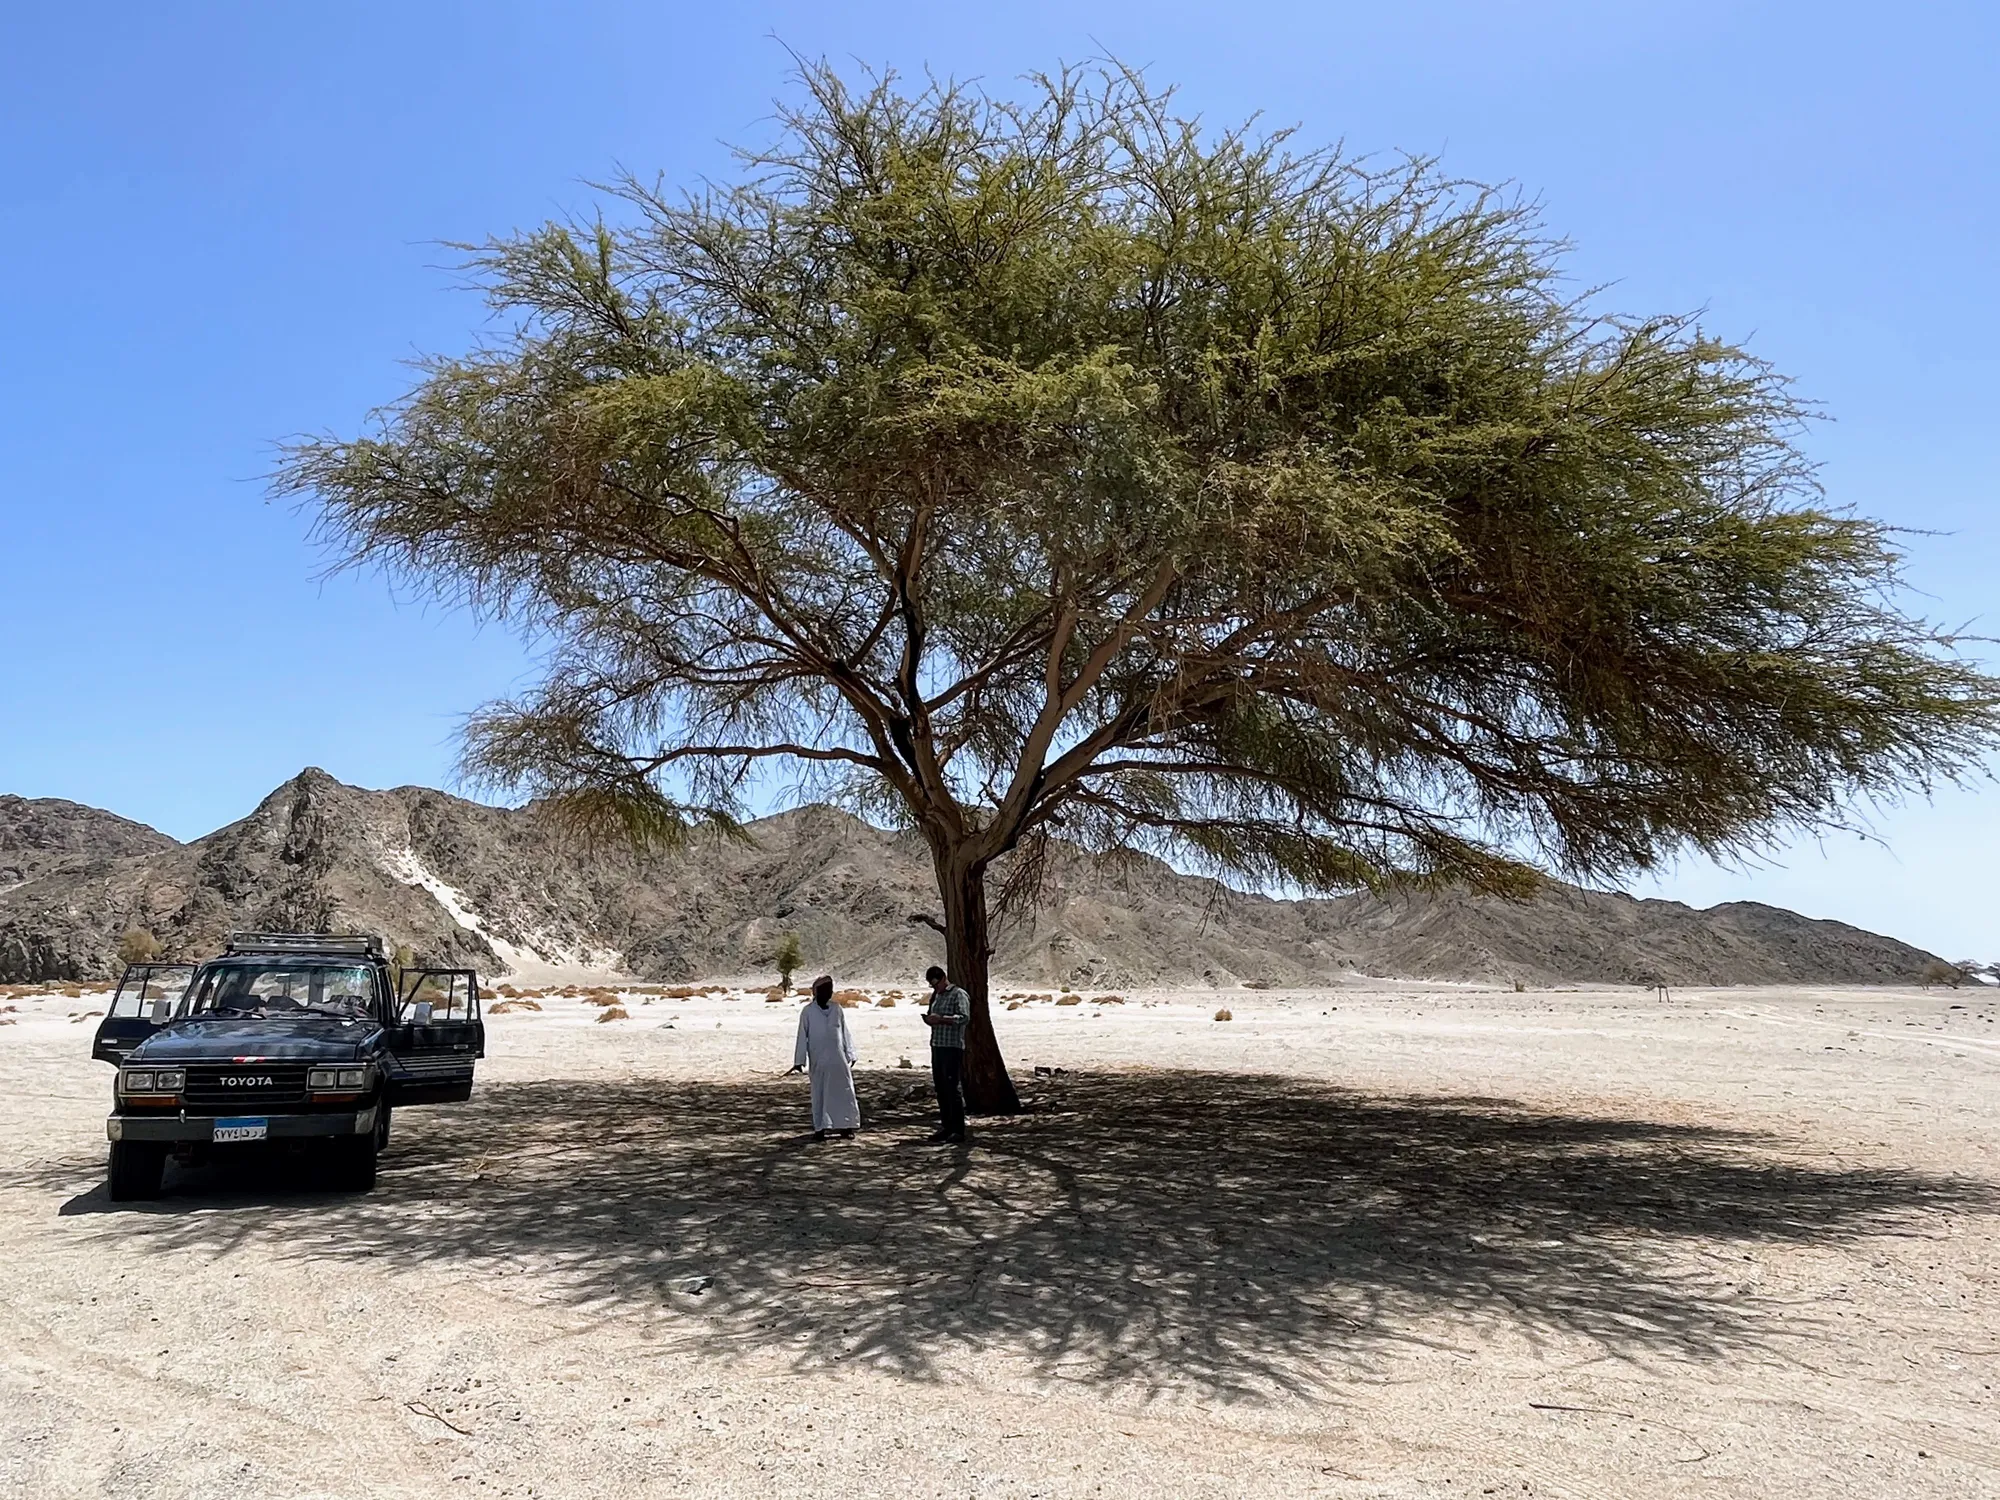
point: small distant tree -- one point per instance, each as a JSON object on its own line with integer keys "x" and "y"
{"x": 136, "y": 945}
{"x": 1055, "y": 465}
{"x": 787, "y": 958}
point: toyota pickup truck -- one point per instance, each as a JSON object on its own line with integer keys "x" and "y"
{"x": 286, "y": 1041}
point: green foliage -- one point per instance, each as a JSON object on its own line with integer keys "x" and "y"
{"x": 1058, "y": 464}
{"x": 787, "y": 958}
{"x": 136, "y": 945}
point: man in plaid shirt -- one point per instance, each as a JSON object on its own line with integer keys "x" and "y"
{"x": 949, "y": 1011}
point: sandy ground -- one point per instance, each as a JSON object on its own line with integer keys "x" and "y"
{"x": 1367, "y": 1243}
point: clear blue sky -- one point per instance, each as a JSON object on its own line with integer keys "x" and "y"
{"x": 221, "y": 226}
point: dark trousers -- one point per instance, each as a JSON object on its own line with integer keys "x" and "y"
{"x": 947, "y": 1069}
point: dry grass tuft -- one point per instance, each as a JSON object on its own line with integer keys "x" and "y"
{"x": 848, "y": 999}
{"x": 887, "y": 1002}
{"x": 1015, "y": 1004}
{"x": 774, "y": 994}
{"x": 506, "y": 1005}
{"x": 1109, "y": 1000}
{"x": 1070, "y": 1000}
{"x": 1224, "y": 1015}
{"x": 682, "y": 992}
{"x": 613, "y": 1013}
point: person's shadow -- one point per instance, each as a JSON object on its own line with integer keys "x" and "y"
{"x": 1219, "y": 1231}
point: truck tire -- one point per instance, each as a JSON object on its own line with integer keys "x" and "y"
{"x": 354, "y": 1163}
{"x": 136, "y": 1170}
{"x": 382, "y": 1126}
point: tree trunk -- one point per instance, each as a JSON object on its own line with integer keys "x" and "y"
{"x": 988, "y": 1089}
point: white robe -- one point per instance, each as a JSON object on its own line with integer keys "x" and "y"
{"x": 825, "y": 1044}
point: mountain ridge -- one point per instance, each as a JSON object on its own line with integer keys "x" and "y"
{"x": 499, "y": 888}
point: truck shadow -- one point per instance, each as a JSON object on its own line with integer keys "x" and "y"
{"x": 1229, "y": 1233}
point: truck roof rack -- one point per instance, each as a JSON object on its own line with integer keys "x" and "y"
{"x": 327, "y": 945}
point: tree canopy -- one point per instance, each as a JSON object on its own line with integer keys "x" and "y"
{"x": 1052, "y": 465}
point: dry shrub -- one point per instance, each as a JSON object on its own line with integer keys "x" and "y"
{"x": 682, "y": 992}
{"x": 1015, "y": 1004}
{"x": 847, "y": 999}
{"x": 613, "y": 1013}
{"x": 505, "y": 989}
{"x": 85, "y": 1015}
{"x": 506, "y": 1005}
{"x": 1256, "y": 984}
{"x": 774, "y": 994}
{"x": 1070, "y": 1000}
{"x": 600, "y": 997}
{"x": 804, "y": 992}
{"x": 1109, "y": 1000}
{"x": 887, "y": 1002}
{"x": 1224, "y": 1015}
{"x": 72, "y": 992}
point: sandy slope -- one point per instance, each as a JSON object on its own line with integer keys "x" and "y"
{"x": 1374, "y": 1243}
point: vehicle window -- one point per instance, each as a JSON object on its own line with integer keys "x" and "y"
{"x": 142, "y": 986}
{"x": 273, "y": 989}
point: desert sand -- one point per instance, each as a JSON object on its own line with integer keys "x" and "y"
{"x": 1385, "y": 1241}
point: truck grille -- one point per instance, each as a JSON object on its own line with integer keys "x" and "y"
{"x": 247, "y": 1087}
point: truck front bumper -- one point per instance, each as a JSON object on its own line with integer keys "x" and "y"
{"x": 185, "y": 1128}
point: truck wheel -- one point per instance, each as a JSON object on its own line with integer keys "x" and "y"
{"x": 354, "y": 1163}
{"x": 382, "y": 1126}
{"x": 136, "y": 1170}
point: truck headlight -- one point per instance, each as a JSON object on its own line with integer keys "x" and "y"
{"x": 151, "y": 1080}
{"x": 344, "y": 1080}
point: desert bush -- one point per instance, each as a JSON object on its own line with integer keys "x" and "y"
{"x": 613, "y": 1013}
{"x": 886, "y": 1002}
{"x": 848, "y": 999}
{"x": 1070, "y": 1000}
{"x": 138, "y": 946}
{"x": 774, "y": 994}
{"x": 1015, "y": 1004}
{"x": 1109, "y": 1000}
{"x": 1224, "y": 1015}
{"x": 1937, "y": 971}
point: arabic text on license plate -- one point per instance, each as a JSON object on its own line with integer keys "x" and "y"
{"x": 242, "y": 1128}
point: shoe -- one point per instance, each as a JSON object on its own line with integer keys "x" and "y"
{"x": 847, "y": 1135}
{"x": 938, "y": 1138}
{"x": 819, "y": 1135}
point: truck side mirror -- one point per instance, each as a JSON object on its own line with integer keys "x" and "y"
{"x": 162, "y": 1009}
{"x": 423, "y": 1015}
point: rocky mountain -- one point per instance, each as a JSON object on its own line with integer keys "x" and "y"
{"x": 499, "y": 888}
{"x": 48, "y": 836}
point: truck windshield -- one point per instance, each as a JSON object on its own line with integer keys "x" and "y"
{"x": 286, "y": 988}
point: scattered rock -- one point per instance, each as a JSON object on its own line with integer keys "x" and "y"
{"x": 692, "y": 1286}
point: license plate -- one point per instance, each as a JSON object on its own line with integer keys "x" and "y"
{"x": 243, "y": 1128}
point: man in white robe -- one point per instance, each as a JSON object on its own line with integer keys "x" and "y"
{"x": 825, "y": 1045}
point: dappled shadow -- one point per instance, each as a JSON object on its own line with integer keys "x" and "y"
{"x": 1224, "y": 1232}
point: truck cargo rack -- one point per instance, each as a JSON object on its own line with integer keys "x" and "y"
{"x": 319, "y": 945}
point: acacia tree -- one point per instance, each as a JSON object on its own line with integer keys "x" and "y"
{"x": 1051, "y": 466}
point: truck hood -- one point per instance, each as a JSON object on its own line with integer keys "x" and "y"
{"x": 232, "y": 1038}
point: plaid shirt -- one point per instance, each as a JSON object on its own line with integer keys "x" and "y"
{"x": 950, "y": 1001}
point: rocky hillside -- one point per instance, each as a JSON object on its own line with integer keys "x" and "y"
{"x": 48, "y": 836}
{"x": 496, "y": 887}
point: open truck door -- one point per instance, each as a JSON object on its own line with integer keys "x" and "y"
{"x": 438, "y": 1034}
{"x": 147, "y": 997}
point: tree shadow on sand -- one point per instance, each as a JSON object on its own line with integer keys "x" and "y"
{"x": 1220, "y": 1233}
